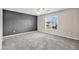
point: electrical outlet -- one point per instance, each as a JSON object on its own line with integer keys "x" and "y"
{"x": 14, "y": 31}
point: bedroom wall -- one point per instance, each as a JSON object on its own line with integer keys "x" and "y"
{"x": 0, "y": 28}
{"x": 68, "y": 23}
{"x": 14, "y": 22}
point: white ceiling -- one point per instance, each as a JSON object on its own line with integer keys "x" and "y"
{"x": 33, "y": 11}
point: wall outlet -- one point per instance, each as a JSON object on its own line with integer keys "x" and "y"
{"x": 14, "y": 31}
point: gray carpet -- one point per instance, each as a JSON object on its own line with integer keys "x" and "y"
{"x": 38, "y": 41}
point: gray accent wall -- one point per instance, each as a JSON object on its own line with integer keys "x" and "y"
{"x": 14, "y": 22}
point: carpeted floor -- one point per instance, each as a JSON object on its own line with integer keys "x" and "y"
{"x": 38, "y": 41}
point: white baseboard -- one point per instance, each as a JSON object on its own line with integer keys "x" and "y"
{"x": 16, "y": 34}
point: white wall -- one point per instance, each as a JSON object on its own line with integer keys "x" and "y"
{"x": 68, "y": 24}
{"x": 0, "y": 28}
